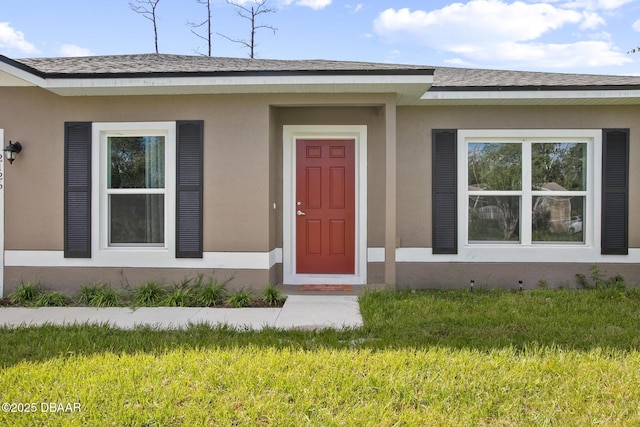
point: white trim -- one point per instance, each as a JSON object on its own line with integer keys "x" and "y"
{"x": 290, "y": 135}
{"x": 412, "y": 86}
{"x": 266, "y": 260}
{"x": 145, "y": 259}
{"x": 233, "y": 81}
{"x": 25, "y": 78}
{"x": 529, "y": 94}
{"x": 2, "y": 183}
{"x": 375, "y": 254}
{"x": 526, "y": 251}
{"x": 101, "y": 252}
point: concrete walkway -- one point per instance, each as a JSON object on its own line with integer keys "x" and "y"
{"x": 299, "y": 311}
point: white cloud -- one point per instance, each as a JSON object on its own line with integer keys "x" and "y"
{"x": 636, "y": 25}
{"x": 313, "y": 4}
{"x": 547, "y": 56}
{"x": 14, "y": 39}
{"x": 591, "y": 21}
{"x": 480, "y": 20}
{"x": 596, "y": 4}
{"x": 73, "y": 50}
{"x": 501, "y": 33}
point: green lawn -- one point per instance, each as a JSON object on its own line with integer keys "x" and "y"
{"x": 426, "y": 358}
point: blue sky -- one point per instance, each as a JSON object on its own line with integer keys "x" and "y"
{"x": 585, "y": 36}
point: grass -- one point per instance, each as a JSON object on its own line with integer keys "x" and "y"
{"x": 452, "y": 358}
{"x": 489, "y": 319}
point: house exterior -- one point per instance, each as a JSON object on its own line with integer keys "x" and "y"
{"x": 162, "y": 167}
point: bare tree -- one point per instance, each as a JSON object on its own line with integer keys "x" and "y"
{"x": 206, "y": 22}
{"x": 259, "y": 7}
{"x": 147, "y": 8}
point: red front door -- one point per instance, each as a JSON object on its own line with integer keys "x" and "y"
{"x": 325, "y": 206}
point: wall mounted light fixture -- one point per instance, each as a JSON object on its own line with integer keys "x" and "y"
{"x": 12, "y": 150}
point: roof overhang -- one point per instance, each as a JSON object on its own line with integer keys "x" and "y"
{"x": 406, "y": 87}
{"x": 409, "y": 85}
{"x": 535, "y": 96}
{"x": 13, "y": 75}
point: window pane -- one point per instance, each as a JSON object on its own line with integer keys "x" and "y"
{"x": 135, "y": 162}
{"x": 495, "y": 166}
{"x": 557, "y": 219}
{"x": 559, "y": 166}
{"x": 136, "y": 218}
{"x": 494, "y": 218}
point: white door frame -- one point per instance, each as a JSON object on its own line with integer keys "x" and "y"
{"x": 2, "y": 214}
{"x": 290, "y": 135}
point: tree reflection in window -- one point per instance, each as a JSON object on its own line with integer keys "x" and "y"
{"x": 495, "y": 172}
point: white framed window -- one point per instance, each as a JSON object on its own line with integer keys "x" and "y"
{"x": 528, "y": 188}
{"x": 134, "y": 186}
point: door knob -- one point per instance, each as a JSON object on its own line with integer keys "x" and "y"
{"x": 300, "y": 213}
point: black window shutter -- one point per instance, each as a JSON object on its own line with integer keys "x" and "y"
{"x": 615, "y": 192}
{"x": 77, "y": 190}
{"x": 189, "y": 153}
{"x": 444, "y": 191}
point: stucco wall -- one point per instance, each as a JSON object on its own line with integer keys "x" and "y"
{"x": 507, "y": 275}
{"x": 243, "y": 168}
{"x": 236, "y": 150}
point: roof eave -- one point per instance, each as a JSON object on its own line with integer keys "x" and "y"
{"x": 411, "y": 85}
{"x": 13, "y": 73}
{"x": 601, "y": 95}
{"x": 408, "y": 84}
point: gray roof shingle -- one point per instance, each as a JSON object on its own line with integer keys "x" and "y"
{"x": 445, "y": 78}
{"x": 184, "y": 64}
{"x": 448, "y": 77}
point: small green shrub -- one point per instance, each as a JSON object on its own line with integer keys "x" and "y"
{"x": 543, "y": 284}
{"x": 239, "y": 299}
{"x": 599, "y": 281}
{"x": 148, "y": 294}
{"x": 88, "y": 293}
{"x": 26, "y": 294}
{"x": 271, "y": 295}
{"x": 617, "y": 282}
{"x": 179, "y": 296}
{"x": 210, "y": 293}
{"x": 52, "y": 299}
{"x": 101, "y": 295}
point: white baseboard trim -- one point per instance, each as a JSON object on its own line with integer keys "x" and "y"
{"x": 147, "y": 259}
{"x": 266, "y": 260}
